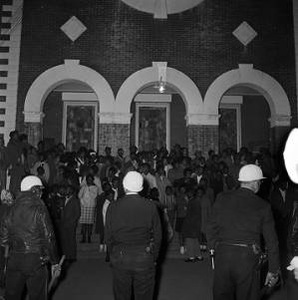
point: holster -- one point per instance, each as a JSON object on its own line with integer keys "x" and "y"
{"x": 262, "y": 256}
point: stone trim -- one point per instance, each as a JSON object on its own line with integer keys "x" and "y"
{"x": 280, "y": 121}
{"x": 202, "y": 119}
{"x": 181, "y": 82}
{"x": 114, "y": 118}
{"x": 70, "y": 70}
{"x": 246, "y": 74}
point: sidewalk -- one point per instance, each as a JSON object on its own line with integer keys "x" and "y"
{"x": 91, "y": 279}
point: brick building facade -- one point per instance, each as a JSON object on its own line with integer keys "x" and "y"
{"x": 114, "y": 58}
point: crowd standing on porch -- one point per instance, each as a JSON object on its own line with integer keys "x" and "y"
{"x": 81, "y": 185}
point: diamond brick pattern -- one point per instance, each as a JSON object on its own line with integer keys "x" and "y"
{"x": 73, "y": 28}
{"x": 245, "y": 33}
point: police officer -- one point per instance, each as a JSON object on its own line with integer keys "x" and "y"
{"x": 291, "y": 164}
{"x": 238, "y": 221}
{"x": 133, "y": 237}
{"x": 28, "y": 232}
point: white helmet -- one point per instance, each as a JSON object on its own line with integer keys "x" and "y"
{"x": 250, "y": 173}
{"x": 30, "y": 181}
{"x": 133, "y": 181}
{"x": 290, "y": 155}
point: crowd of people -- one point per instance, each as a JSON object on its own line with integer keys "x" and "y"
{"x": 80, "y": 186}
{"x": 184, "y": 188}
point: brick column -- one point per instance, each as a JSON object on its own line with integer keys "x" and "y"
{"x": 115, "y": 136}
{"x": 114, "y": 131}
{"x": 203, "y": 133}
{"x": 202, "y": 137}
{"x": 34, "y": 132}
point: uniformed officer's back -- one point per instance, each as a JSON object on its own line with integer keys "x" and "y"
{"x": 242, "y": 214}
{"x": 238, "y": 221}
{"x": 132, "y": 217}
{"x": 133, "y": 237}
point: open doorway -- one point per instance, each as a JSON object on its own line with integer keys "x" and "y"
{"x": 244, "y": 119}
{"x": 70, "y": 116}
{"x": 158, "y": 119}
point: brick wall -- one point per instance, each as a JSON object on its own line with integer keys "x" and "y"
{"x": 115, "y": 136}
{"x": 202, "y": 137}
{"x": 120, "y": 40}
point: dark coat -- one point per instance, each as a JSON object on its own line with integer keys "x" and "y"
{"x": 192, "y": 223}
{"x": 132, "y": 222}
{"x": 69, "y": 221}
{"x": 99, "y": 226}
{"x": 71, "y": 212}
{"x": 27, "y": 227}
{"x": 242, "y": 217}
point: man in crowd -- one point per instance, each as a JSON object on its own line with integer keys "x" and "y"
{"x": 28, "y": 232}
{"x": 238, "y": 221}
{"x": 133, "y": 237}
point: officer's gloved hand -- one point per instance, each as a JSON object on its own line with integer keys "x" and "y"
{"x": 271, "y": 279}
{"x": 56, "y": 270}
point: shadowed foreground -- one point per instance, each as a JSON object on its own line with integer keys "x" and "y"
{"x": 91, "y": 279}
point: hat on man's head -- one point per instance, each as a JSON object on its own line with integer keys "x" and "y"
{"x": 29, "y": 182}
{"x": 250, "y": 172}
{"x": 133, "y": 181}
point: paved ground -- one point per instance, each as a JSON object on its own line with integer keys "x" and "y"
{"x": 91, "y": 279}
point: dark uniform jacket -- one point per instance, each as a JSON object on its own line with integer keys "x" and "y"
{"x": 241, "y": 217}
{"x": 27, "y": 228}
{"x": 132, "y": 224}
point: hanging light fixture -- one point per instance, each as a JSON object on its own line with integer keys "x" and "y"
{"x": 161, "y": 86}
{"x": 162, "y": 74}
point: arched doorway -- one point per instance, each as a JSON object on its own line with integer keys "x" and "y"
{"x": 72, "y": 79}
{"x": 74, "y": 107}
{"x": 158, "y": 119}
{"x": 181, "y": 100}
{"x": 266, "y": 95}
{"x": 244, "y": 119}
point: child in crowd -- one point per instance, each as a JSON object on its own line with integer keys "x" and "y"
{"x": 87, "y": 195}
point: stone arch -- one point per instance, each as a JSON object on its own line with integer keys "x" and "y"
{"x": 246, "y": 75}
{"x": 142, "y": 78}
{"x": 51, "y": 78}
